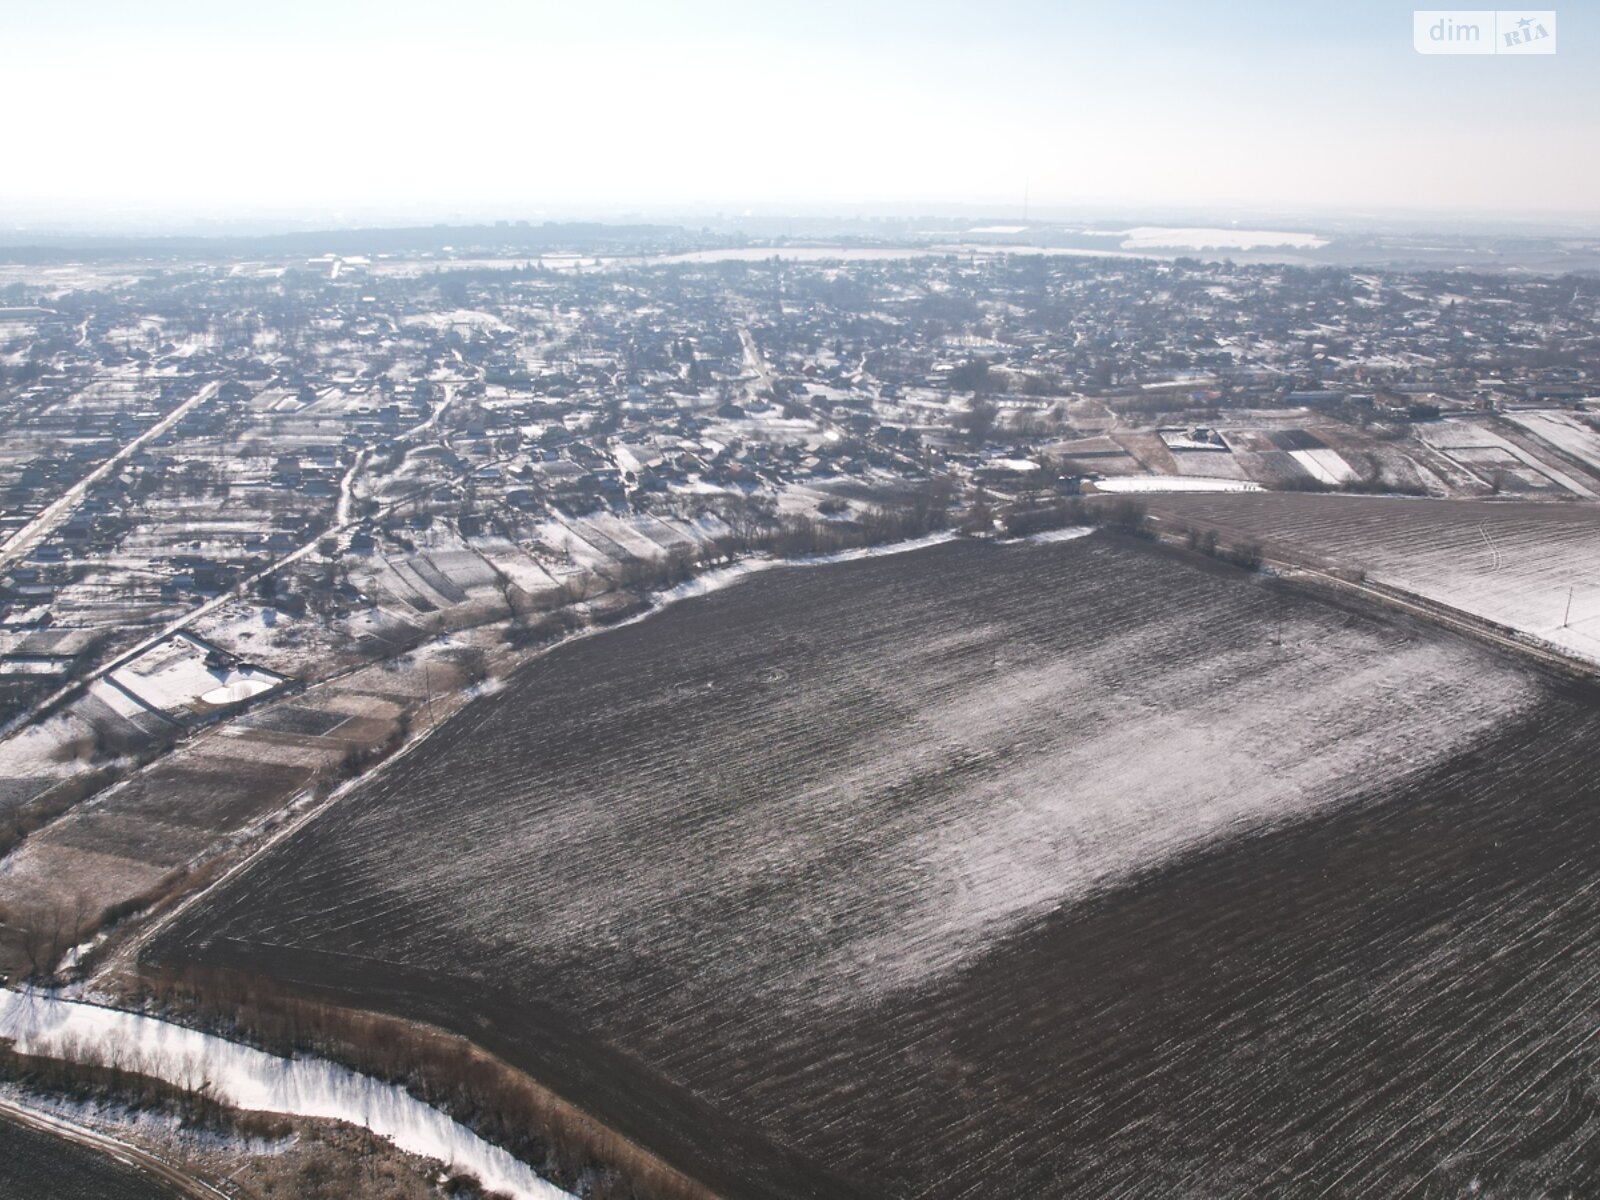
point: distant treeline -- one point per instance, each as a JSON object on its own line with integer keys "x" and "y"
{"x": 755, "y": 527}
{"x": 588, "y": 237}
{"x": 1123, "y": 514}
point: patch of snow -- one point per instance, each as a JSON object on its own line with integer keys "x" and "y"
{"x": 1150, "y": 237}
{"x": 1071, "y": 534}
{"x": 173, "y": 674}
{"x": 1452, "y": 437}
{"x": 1325, "y": 466}
{"x": 237, "y": 690}
{"x": 1175, "y": 483}
{"x": 116, "y": 699}
{"x": 1564, "y": 431}
{"x": 49, "y": 1026}
{"x": 717, "y": 579}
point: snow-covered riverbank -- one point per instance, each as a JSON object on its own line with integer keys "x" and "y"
{"x": 46, "y": 1025}
{"x": 717, "y": 578}
{"x": 1174, "y": 483}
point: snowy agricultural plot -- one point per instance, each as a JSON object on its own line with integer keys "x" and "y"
{"x": 183, "y": 675}
{"x": 1487, "y": 455}
{"x": 1325, "y": 466}
{"x": 1174, "y": 483}
{"x": 1531, "y": 567}
{"x": 1565, "y": 431}
{"x": 863, "y": 838}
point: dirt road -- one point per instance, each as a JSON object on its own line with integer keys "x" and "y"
{"x": 133, "y": 1171}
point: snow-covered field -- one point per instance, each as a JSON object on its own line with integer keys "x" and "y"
{"x": 1565, "y": 431}
{"x": 48, "y": 1026}
{"x": 1174, "y": 483}
{"x": 174, "y": 675}
{"x": 1480, "y": 451}
{"x": 763, "y": 816}
{"x": 1325, "y": 466}
{"x": 1157, "y": 237}
{"x": 1529, "y": 566}
{"x": 719, "y": 578}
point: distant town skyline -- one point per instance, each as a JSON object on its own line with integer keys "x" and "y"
{"x": 410, "y": 109}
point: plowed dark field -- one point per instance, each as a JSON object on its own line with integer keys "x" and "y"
{"x": 1082, "y": 869}
{"x": 37, "y": 1166}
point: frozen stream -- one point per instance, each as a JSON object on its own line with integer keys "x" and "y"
{"x": 48, "y": 1026}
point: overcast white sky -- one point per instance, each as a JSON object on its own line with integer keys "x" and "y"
{"x": 527, "y": 109}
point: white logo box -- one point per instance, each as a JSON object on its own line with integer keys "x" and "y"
{"x": 1483, "y": 31}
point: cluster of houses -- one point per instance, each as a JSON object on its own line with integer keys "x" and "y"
{"x": 496, "y": 397}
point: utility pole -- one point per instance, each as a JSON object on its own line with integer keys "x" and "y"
{"x": 1568, "y": 616}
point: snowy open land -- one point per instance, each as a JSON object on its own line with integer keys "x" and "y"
{"x": 175, "y": 675}
{"x": 917, "y": 848}
{"x": 1174, "y": 483}
{"x": 43, "y": 1025}
{"x": 1154, "y": 237}
{"x": 1531, "y": 567}
{"x": 804, "y": 845}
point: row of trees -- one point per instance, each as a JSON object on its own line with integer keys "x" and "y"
{"x": 752, "y": 526}
{"x": 143, "y": 1080}
{"x": 500, "y": 1104}
{"x": 1122, "y": 514}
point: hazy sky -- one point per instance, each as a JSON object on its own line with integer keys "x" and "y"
{"x": 527, "y": 109}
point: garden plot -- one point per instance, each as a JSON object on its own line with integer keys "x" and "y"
{"x": 1378, "y": 462}
{"x": 375, "y": 632}
{"x": 462, "y": 568}
{"x": 812, "y": 844}
{"x": 515, "y": 563}
{"x": 1463, "y": 442}
{"x": 183, "y": 676}
{"x": 627, "y": 537}
{"x": 1099, "y": 454}
{"x": 601, "y": 541}
{"x": 1565, "y": 431}
{"x": 305, "y": 645}
{"x": 1212, "y": 463}
{"x": 129, "y": 838}
{"x": 48, "y": 748}
{"x": 287, "y": 644}
{"x": 1324, "y": 465}
{"x": 462, "y": 318}
{"x": 294, "y": 719}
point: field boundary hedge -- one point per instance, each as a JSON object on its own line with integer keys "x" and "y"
{"x": 501, "y": 1103}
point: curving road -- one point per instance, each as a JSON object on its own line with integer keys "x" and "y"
{"x": 36, "y": 530}
{"x": 34, "y": 1165}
